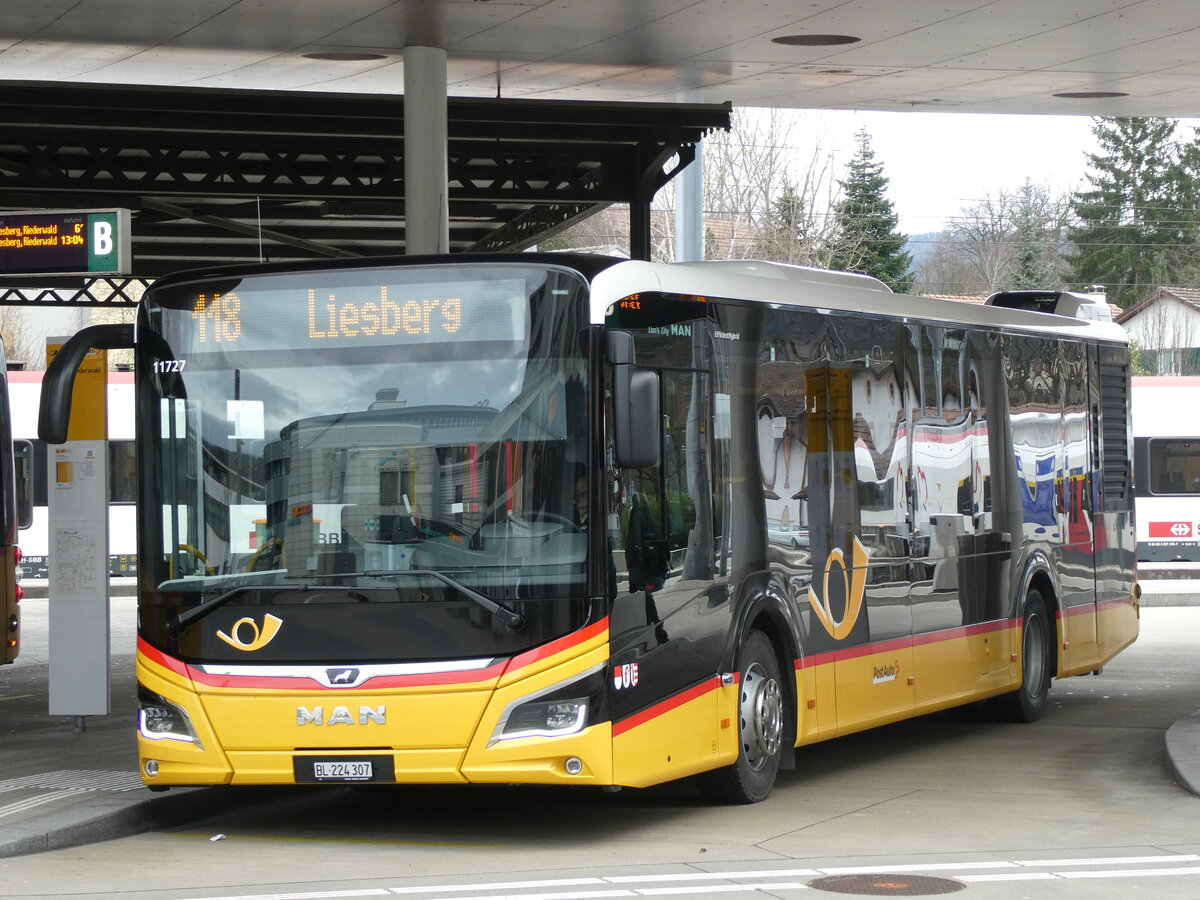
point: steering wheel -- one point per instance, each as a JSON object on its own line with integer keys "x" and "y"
{"x": 542, "y": 515}
{"x": 208, "y": 570}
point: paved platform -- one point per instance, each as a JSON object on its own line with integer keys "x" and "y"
{"x": 63, "y": 786}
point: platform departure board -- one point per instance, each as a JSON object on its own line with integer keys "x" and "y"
{"x": 57, "y": 242}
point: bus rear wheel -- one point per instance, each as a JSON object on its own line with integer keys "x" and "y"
{"x": 1037, "y": 655}
{"x": 761, "y": 727}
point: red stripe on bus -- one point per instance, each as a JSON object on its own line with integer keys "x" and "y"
{"x": 1086, "y": 608}
{"x": 299, "y": 682}
{"x": 378, "y": 683}
{"x": 917, "y": 640}
{"x": 952, "y": 634}
{"x": 529, "y": 657}
{"x": 167, "y": 662}
{"x": 665, "y": 706}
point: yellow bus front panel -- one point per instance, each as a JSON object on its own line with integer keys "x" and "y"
{"x": 253, "y": 729}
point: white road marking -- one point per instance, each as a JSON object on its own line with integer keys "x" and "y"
{"x": 1110, "y": 861}
{"x": 709, "y": 876}
{"x": 502, "y": 885}
{"x": 564, "y": 895}
{"x": 307, "y": 895}
{"x": 753, "y": 881}
{"x": 724, "y": 888}
{"x": 17, "y": 806}
{"x": 1131, "y": 873}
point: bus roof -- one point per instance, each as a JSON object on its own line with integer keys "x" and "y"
{"x": 781, "y": 284}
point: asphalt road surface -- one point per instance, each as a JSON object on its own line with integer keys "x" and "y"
{"x": 1078, "y": 805}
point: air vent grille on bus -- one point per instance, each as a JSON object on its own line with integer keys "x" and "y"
{"x": 1114, "y": 416}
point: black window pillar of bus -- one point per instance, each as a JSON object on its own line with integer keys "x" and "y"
{"x": 602, "y": 579}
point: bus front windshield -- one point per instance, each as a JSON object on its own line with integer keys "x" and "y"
{"x": 363, "y": 426}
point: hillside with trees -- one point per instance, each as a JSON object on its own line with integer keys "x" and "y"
{"x": 1131, "y": 226}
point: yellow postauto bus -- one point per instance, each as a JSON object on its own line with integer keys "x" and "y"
{"x": 567, "y": 519}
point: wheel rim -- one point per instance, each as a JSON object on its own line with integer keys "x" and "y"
{"x": 1033, "y": 646}
{"x": 761, "y": 716}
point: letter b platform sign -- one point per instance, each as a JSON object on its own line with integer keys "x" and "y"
{"x": 108, "y": 242}
{"x": 65, "y": 242}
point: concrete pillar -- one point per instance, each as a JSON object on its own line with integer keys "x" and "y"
{"x": 689, "y": 210}
{"x": 426, "y": 200}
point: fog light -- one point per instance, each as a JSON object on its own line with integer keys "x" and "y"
{"x": 151, "y": 768}
{"x": 574, "y": 765}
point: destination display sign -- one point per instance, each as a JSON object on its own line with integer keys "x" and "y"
{"x": 258, "y": 314}
{"x": 60, "y": 242}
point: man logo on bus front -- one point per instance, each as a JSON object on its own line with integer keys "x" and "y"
{"x": 345, "y": 677}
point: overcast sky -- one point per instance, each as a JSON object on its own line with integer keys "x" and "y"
{"x": 940, "y": 163}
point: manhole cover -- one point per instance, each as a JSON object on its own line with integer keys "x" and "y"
{"x": 884, "y": 885}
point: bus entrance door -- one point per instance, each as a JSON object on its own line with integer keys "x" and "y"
{"x": 1075, "y": 514}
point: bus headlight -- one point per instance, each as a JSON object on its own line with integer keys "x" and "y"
{"x": 550, "y": 719}
{"x": 563, "y": 709}
{"x": 160, "y": 720}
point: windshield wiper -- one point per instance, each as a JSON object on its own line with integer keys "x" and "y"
{"x": 510, "y": 617}
{"x": 182, "y": 620}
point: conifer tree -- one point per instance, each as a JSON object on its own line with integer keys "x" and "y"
{"x": 1130, "y": 226}
{"x": 867, "y": 238}
{"x": 1038, "y": 224}
{"x": 781, "y": 236}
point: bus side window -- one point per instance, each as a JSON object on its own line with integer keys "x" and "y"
{"x": 688, "y": 525}
{"x": 23, "y": 459}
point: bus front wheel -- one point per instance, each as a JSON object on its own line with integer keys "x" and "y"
{"x": 761, "y": 720}
{"x": 1037, "y": 657}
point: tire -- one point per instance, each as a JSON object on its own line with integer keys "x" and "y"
{"x": 761, "y": 728}
{"x": 1037, "y": 663}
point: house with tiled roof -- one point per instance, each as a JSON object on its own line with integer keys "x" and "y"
{"x": 1166, "y": 329}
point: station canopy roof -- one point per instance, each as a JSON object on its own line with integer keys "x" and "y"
{"x": 996, "y": 56}
{"x": 226, "y": 124}
{"x": 216, "y": 176}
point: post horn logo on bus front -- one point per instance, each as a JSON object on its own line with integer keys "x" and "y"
{"x": 854, "y": 581}
{"x": 259, "y": 637}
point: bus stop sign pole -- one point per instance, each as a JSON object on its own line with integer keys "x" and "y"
{"x": 78, "y": 558}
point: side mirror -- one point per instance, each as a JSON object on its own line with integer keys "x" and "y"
{"x": 23, "y": 464}
{"x": 55, "y": 411}
{"x": 635, "y": 401}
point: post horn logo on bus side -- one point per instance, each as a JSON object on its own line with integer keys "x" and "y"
{"x": 854, "y": 581}
{"x": 259, "y": 637}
